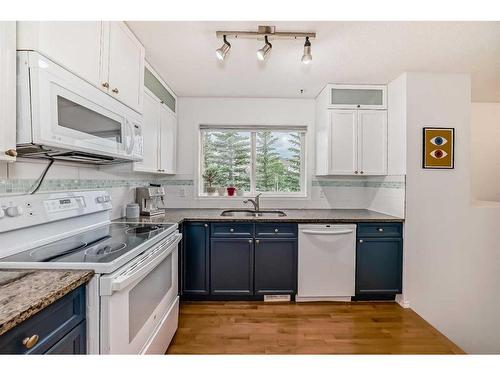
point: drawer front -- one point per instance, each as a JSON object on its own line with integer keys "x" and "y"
{"x": 380, "y": 230}
{"x": 50, "y": 325}
{"x": 232, "y": 230}
{"x": 276, "y": 230}
{"x": 73, "y": 343}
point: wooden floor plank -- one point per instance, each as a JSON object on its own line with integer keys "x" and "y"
{"x": 305, "y": 328}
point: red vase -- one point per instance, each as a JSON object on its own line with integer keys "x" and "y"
{"x": 230, "y": 191}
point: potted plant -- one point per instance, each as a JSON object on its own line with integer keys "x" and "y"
{"x": 230, "y": 190}
{"x": 209, "y": 176}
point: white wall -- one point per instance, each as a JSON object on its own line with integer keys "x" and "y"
{"x": 453, "y": 248}
{"x": 485, "y": 152}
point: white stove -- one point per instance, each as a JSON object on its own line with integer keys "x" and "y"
{"x": 132, "y": 302}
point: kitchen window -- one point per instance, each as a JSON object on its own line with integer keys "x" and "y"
{"x": 268, "y": 160}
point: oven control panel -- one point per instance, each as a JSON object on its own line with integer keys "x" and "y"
{"x": 21, "y": 211}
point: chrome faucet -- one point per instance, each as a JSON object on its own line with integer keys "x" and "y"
{"x": 255, "y": 202}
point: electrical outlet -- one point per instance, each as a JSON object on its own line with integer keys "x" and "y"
{"x": 182, "y": 193}
{"x": 321, "y": 194}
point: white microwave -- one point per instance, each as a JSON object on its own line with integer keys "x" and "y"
{"x": 61, "y": 116}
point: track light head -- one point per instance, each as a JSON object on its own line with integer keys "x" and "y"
{"x": 223, "y": 50}
{"x": 264, "y": 51}
{"x": 307, "y": 57}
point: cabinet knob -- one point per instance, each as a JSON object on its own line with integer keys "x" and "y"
{"x": 361, "y": 172}
{"x": 105, "y": 84}
{"x": 359, "y": 106}
{"x": 380, "y": 229}
{"x": 11, "y": 152}
{"x": 206, "y": 225}
{"x": 115, "y": 90}
{"x": 360, "y": 241}
{"x": 276, "y": 230}
{"x": 257, "y": 241}
{"x": 355, "y": 172}
{"x": 231, "y": 230}
{"x": 30, "y": 342}
{"x": 250, "y": 241}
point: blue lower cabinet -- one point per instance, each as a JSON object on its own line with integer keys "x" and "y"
{"x": 275, "y": 266}
{"x": 73, "y": 343}
{"x": 50, "y": 328}
{"x": 379, "y": 263}
{"x": 195, "y": 259}
{"x": 231, "y": 266}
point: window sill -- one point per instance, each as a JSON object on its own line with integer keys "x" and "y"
{"x": 246, "y": 196}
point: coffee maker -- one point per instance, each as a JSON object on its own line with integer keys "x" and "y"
{"x": 151, "y": 199}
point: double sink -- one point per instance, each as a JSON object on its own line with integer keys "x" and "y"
{"x": 253, "y": 213}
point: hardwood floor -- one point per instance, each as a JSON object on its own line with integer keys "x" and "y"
{"x": 305, "y": 328}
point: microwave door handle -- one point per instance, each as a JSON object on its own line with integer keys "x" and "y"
{"x": 324, "y": 232}
{"x": 123, "y": 281}
{"x": 130, "y": 147}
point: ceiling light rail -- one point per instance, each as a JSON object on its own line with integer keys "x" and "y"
{"x": 265, "y": 33}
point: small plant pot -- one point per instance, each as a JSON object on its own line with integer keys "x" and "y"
{"x": 222, "y": 191}
{"x": 231, "y": 190}
{"x": 211, "y": 190}
{"x": 240, "y": 193}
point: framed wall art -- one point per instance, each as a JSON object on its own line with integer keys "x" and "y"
{"x": 439, "y": 148}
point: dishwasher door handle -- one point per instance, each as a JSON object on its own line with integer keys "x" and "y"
{"x": 329, "y": 232}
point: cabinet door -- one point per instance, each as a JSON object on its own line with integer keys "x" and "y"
{"x": 7, "y": 90}
{"x": 231, "y": 266}
{"x": 343, "y": 142}
{"x": 379, "y": 265}
{"x": 150, "y": 131}
{"x": 74, "y": 45}
{"x": 168, "y": 137}
{"x": 195, "y": 259}
{"x": 126, "y": 66}
{"x": 358, "y": 96}
{"x": 73, "y": 343}
{"x": 372, "y": 142}
{"x": 275, "y": 266}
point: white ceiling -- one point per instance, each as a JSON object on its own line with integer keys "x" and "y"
{"x": 183, "y": 53}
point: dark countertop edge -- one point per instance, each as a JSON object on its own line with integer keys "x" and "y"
{"x": 290, "y": 220}
{"x": 44, "y": 301}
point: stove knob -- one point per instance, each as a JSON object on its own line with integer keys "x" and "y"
{"x": 14, "y": 211}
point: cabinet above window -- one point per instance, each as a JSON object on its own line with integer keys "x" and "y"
{"x": 357, "y": 96}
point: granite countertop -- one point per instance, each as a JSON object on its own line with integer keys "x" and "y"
{"x": 24, "y": 293}
{"x": 178, "y": 215}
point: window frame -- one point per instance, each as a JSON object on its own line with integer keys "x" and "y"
{"x": 253, "y": 129}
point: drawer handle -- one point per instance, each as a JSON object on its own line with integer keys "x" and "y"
{"x": 276, "y": 230}
{"x": 115, "y": 90}
{"x": 380, "y": 229}
{"x": 231, "y": 230}
{"x": 30, "y": 342}
{"x": 206, "y": 225}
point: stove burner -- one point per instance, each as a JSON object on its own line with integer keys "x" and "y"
{"x": 106, "y": 249}
{"x": 53, "y": 250}
{"x": 143, "y": 230}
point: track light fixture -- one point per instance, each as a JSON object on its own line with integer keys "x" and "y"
{"x": 264, "y": 51}
{"x": 267, "y": 33}
{"x": 307, "y": 57}
{"x": 223, "y": 50}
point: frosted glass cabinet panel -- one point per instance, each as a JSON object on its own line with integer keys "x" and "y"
{"x": 357, "y": 96}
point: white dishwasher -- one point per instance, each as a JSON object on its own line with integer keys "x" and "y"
{"x": 327, "y": 262}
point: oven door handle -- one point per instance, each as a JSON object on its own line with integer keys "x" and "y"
{"x": 144, "y": 266}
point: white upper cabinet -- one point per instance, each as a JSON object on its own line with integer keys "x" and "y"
{"x": 150, "y": 129}
{"x": 350, "y": 141}
{"x": 372, "y": 142}
{"x": 123, "y": 69}
{"x": 73, "y": 45}
{"x": 343, "y": 142}
{"x": 106, "y": 54}
{"x": 357, "y": 96}
{"x": 7, "y": 91}
{"x": 168, "y": 137}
